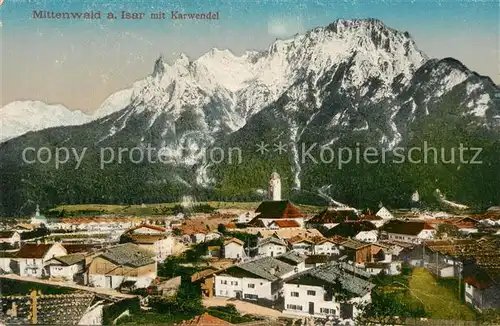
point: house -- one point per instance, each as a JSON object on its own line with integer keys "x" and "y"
{"x": 245, "y": 217}
{"x": 367, "y": 236}
{"x": 31, "y": 258}
{"x": 212, "y": 235}
{"x": 298, "y": 261}
{"x": 269, "y": 211}
{"x": 313, "y": 261}
{"x": 153, "y": 238}
{"x": 282, "y": 224}
{"x": 66, "y": 267}
{"x": 324, "y": 246}
{"x": 121, "y": 263}
{"x": 482, "y": 287}
{"x": 356, "y": 251}
{"x": 331, "y": 217}
{"x": 205, "y": 320}
{"x": 259, "y": 279}
{"x": 388, "y": 268}
{"x": 271, "y": 246}
{"x": 12, "y": 238}
{"x": 198, "y": 236}
{"x": 412, "y": 232}
{"x": 234, "y": 249}
{"x": 384, "y": 214}
{"x": 329, "y": 290}
{"x": 301, "y": 245}
{"x": 377, "y": 221}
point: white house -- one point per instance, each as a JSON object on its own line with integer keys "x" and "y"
{"x": 388, "y": 267}
{"x": 411, "y": 232}
{"x": 367, "y": 236}
{"x": 384, "y": 214}
{"x": 326, "y": 247}
{"x": 271, "y": 246}
{"x": 153, "y": 238}
{"x": 234, "y": 249}
{"x": 245, "y": 217}
{"x": 66, "y": 267}
{"x": 301, "y": 245}
{"x": 31, "y": 258}
{"x": 12, "y": 238}
{"x": 198, "y": 237}
{"x": 315, "y": 292}
{"x": 255, "y": 280}
{"x": 212, "y": 235}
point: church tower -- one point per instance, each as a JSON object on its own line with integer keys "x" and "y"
{"x": 275, "y": 187}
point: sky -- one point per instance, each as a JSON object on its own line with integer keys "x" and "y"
{"x": 79, "y": 63}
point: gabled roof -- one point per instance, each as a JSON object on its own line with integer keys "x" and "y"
{"x": 205, "y": 320}
{"x": 273, "y": 240}
{"x": 292, "y": 258}
{"x": 278, "y": 209}
{"x": 256, "y": 222}
{"x": 268, "y": 268}
{"x": 329, "y": 216}
{"x": 298, "y": 239}
{"x": 233, "y": 240}
{"x": 146, "y": 238}
{"x": 286, "y": 223}
{"x": 338, "y": 239}
{"x": 128, "y": 254}
{"x": 331, "y": 273}
{"x": 353, "y": 244}
{"x": 407, "y": 228}
{"x": 69, "y": 260}
{"x": 148, "y": 226}
{"x": 33, "y": 250}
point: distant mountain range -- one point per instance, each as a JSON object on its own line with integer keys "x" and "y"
{"x": 354, "y": 83}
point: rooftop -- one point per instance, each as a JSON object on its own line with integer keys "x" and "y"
{"x": 292, "y": 258}
{"x": 330, "y": 215}
{"x": 128, "y": 254}
{"x": 69, "y": 260}
{"x": 408, "y": 228}
{"x": 351, "y": 279}
{"x": 286, "y": 223}
{"x": 204, "y": 320}
{"x": 268, "y": 268}
{"x": 33, "y": 250}
{"x": 278, "y": 209}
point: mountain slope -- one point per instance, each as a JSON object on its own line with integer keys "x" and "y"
{"x": 354, "y": 83}
{"x": 20, "y": 117}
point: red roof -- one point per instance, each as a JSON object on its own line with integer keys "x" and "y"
{"x": 205, "y": 320}
{"x": 287, "y": 223}
{"x": 32, "y": 250}
{"x": 149, "y": 226}
{"x": 278, "y": 209}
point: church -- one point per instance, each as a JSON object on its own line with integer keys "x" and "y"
{"x": 276, "y": 209}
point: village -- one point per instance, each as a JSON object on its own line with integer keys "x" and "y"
{"x": 272, "y": 263}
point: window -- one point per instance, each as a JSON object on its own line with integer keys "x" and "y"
{"x": 235, "y": 282}
{"x": 293, "y": 307}
{"x": 327, "y": 311}
{"x": 251, "y": 296}
{"x": 294, "y": 294}
{"x": 251, "y": 286}
{"x": 310, "y": 292}
{"x": 223, "y": 282}
{"x": 221, "y": 292}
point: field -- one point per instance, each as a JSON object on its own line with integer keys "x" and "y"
{"x": 439, "y": 301}
{"x": 156, "y": 209}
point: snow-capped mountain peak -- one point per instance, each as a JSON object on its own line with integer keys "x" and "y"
{"x": 20, "y": 117}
